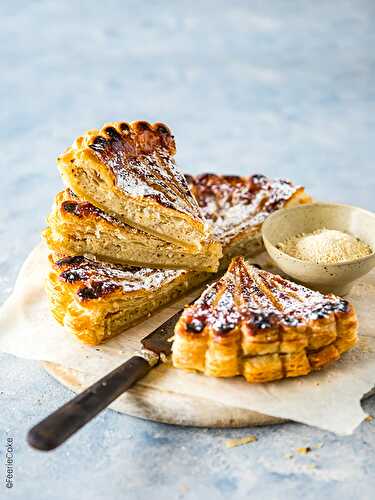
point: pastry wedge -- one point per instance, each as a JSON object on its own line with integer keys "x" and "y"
{"x": 261, "y": 326}
{"x": 94, "y": 317}
{"x": 128, "y": 171}
{"x": 97, "y": 300}
{"x": 76, "y": 227}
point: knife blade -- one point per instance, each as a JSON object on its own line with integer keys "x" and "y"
{"x": 159, "y": 341}
{"x": 56, "y": 428}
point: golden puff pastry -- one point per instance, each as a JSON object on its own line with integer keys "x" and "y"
{"x": 76, "y": 227}
{"x": 262, "y": 326}
{"x": 235, "y": 206}
{"x": 96, "y": 300}
{"x": 128, "y": 171}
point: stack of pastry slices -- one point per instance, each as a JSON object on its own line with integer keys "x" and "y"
{"x": 131, "y": 233}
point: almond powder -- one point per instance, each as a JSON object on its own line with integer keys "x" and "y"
{"x": 325, "y": 246}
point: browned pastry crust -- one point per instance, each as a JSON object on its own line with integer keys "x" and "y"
{"x": 236, "y": 206}
{"x": 128, "y": 170}
{"x": 262, "y": 326}
{"x": 94, "y": 318}
{"x": 97, "y": 300}
{"x": 76, "y": 227}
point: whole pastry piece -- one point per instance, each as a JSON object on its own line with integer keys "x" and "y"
{"x": 262, "y": 326}
{"x": 128, "y": 171}
{"x": 76, "y": 227}
{"x": 235, "y": 207}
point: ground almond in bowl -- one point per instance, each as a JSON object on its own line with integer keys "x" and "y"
{"x": 325, "y": 246}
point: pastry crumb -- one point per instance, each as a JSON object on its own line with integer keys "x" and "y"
{"x": 232, "y": 443}
{"x": 303, "y": 451}
{"x": 307, "y": 449}
{"x": 163, "y": 357}
{"x": 184, "y": 488}
{"x": 369, "y": 418}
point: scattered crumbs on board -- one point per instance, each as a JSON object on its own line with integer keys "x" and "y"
{"x": 303, "y": 451}
{"x": 184, "y": 488}
{"x": 232, "y": 443}
{"x": 369, "y": 418}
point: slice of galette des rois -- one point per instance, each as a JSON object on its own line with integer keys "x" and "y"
{"x": 128, "y": 171}
{"x": 262, "y": 326}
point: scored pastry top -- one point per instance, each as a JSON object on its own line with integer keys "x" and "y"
{"x": 259, "y": 301}
{"x": 233, "y": 204}
{"x": 96, "y": 279}
{"x": 139, "y": 157}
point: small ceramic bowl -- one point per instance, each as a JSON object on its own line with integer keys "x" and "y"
{"x": 335, "y": 278}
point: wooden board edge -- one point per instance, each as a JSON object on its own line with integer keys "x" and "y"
{"x": 177, "y": 409}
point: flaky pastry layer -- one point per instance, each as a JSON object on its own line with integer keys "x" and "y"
{"x": 259, "y": 325}
{"x": 76, "y": 227}
{"x": 96, "y": 300}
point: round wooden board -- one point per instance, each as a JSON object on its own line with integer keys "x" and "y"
{"x": 174, "y": 408}
{"x": 178, "y": 409}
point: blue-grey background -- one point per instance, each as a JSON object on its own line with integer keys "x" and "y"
{"x": 284, "y": 88}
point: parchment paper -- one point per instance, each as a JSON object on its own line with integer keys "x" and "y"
{"x": 329, "y": 399}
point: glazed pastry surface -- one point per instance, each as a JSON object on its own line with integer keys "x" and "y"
{"x": 234, "y": 204}
{"x": 262, "y": 326}
{"x": 96, "y": 300}
{"x": 128, "y": 170}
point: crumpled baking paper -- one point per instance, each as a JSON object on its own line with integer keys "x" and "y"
{"x": 329, "y": 399}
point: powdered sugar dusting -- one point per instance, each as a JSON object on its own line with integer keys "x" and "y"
{"x": 260, "y": 299}
{"x": 299, "y": 303}
{"x": 233, "y": 204}
{"x": 100, "y": 278}
{"x": 146, "y": 170}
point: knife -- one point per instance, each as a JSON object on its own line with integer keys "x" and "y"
{"x": 73, "y": 415}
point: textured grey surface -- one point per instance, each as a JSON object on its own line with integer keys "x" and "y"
{"x": 284, "y": 88}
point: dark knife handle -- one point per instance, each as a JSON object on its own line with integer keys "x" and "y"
{"x": 69, "y": 418}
